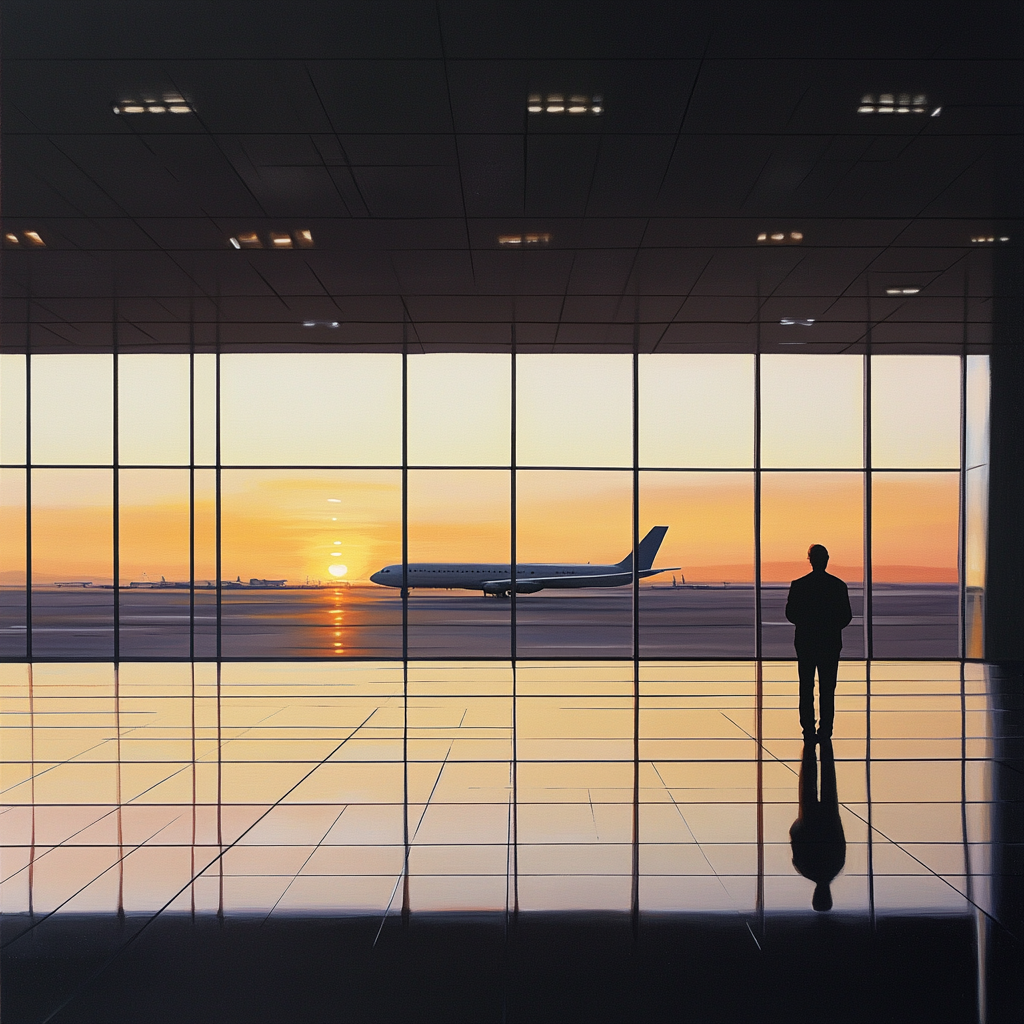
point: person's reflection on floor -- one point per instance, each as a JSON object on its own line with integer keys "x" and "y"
{"x": 817, "y": 838}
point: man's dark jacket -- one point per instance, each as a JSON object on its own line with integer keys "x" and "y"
{"x": 819, "y": 607}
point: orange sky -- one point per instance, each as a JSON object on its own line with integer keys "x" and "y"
{"x": 294, "y": 524}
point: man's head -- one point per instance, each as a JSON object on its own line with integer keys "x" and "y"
{"x": 817, "y": 555}
{"x": 822, "y": 898}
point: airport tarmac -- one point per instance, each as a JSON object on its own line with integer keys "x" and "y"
{"x": 912, "y": 621}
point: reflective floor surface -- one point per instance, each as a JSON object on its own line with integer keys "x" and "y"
{"x": 277, "y": 840}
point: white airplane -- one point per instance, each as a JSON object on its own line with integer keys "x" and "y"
{"x": 496, "y": 579}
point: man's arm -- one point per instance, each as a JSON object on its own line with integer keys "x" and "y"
{"x": 794, "y": 611}
{"x": 845, "y": 612}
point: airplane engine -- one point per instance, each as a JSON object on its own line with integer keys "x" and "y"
{"x": 528, "y": 588}
{"x": 495, "y": 589}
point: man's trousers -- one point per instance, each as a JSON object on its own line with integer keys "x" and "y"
{"x": 827, "y": 665}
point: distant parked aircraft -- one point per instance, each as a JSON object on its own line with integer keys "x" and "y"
{"x": 496, "y": 578}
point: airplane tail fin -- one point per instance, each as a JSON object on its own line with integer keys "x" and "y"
{"x": 647, "y": 551}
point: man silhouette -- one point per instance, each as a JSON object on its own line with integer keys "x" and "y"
{"x": 819, "y": 606}
{"x": 817, "y": 838}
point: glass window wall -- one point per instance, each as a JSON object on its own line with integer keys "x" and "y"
{"x": 259, "y": 535}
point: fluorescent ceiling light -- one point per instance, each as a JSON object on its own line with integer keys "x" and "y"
{"x": 988, "y": 239}
{"x": 893, "y": 103}
{"x": 172, "y": 102}
{"x": 33, "y": 238}
{"x": 556, "y": 103}
{"x": 789, "y": 321}
{"x": 902, "y": 291}
{"x": 13, "y": 239}
{"x": 301, "y": 237}
{"x": 781, "y": 237}
{"x": 532, "y": 238}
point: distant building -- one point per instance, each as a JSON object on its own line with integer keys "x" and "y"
{"x": 267, "y": 583}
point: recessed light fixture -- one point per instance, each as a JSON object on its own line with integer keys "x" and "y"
{"x": 533, "y": 238}
{"x": 789, "y": 321}
{"x": 320, "y": 323}
{"x": 989, "y": 239}
{"x": 30, "y": 238}
{"x": 275, "y": 240}
{"x": 895, "y": 103}
{"x": 560, "y": 103}
{"x": 169, "y": 103}
{"x": 902, "y": 291}
{"x": 781, "y": 237}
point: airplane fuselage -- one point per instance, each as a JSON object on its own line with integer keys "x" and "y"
{"x": 496, "y": 577}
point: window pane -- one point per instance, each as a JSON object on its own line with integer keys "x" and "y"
{"x": 565, "y": 520}
{"x": 311, "y": 409}
{"x": 574, "y": 410}
{"x": 284, "y": 531}
{"x": 153, "y": 410}
{"x": 798, "y": 510}
{"x": 976, "y": 503}
{"x": 72, "y": 409}
{"x": 915, "y": 412}
{"x": 812, "y": 411}
{"x": 458, "y": 516}
{"x": 205, "y": 629}
{"x": 204, "y": 391}
{"x": 696, "y": 410}
{"x": 12, "y": 408}
{"x": 12, "y": 563}
{"x": 705, "y": 608}
{"x": 153, "y": 532}
{"x": 460, "y": 409}
{"x": 914, "y": 545}
{"x": 72, "y": 563}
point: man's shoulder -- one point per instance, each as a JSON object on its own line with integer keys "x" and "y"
{"x": 835, "y": 582}
{"x": 803, "y": 581}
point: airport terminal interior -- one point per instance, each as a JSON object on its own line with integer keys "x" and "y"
{"x": 413, "y": 417}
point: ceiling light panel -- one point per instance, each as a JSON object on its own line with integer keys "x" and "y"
{"x": 164, "y": 103}
{"x": 989, "y": 239}
{"x": 301, "y": 239}
{"x": 564, "y": 103}
{"x": 896, "y": 103}
{"x": 524, "y": 241}
{"x": 902, "y": 291}
{"x": 31, "y": 239}
{"x": 780, "y": 237}
{"x": 790, "y": 321}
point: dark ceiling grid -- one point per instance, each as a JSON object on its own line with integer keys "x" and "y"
{"x": 436, "y": 127}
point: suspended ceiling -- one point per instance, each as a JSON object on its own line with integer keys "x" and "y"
{"x": 398, "y": 135}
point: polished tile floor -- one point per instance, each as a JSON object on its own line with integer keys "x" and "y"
{"x": 162, "y": 795}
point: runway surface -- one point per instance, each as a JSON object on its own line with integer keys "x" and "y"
{"x": 912, "y": 621}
